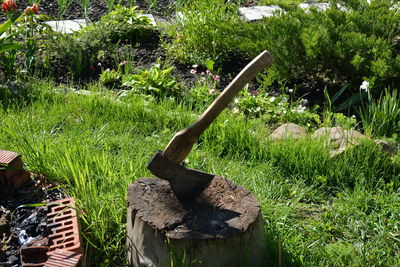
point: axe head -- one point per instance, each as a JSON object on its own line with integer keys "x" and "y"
{"x": 187, "y": 184}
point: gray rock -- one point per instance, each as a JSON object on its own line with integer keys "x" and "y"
{"x": 338, "y": 137}
{"x": 288, "y": 130}
{"x": 386, "y": 146}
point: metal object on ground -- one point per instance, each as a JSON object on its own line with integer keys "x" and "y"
{"x": 186, "y": 188}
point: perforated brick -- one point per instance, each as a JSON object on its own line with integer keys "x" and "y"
{"x": 6, "y": 157}
{"x": 62, "y": 222}
{"x": 64, "y": 258}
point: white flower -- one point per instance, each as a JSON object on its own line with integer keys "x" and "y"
{"x": 236, "y": 101}
{"x": 290, "y": 90}
{"x": 364, "y": 86}
{"x": 212, "y": 92}
{"x": 301, "y": 109}
{"x": 272, "y": 99}
{"x": 195, "y": 66}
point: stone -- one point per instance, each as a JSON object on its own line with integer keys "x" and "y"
{"x": 387, "y": 147}
{"x": 338, "y": 138}
{"x": 67, "y": 26}
{"x": 288, "y": 130}
{"x": 258, "y": 12}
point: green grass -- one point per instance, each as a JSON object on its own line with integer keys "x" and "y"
{"x": 319, "y": 211}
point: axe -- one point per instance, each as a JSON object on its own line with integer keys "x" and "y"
{"x": 187, "y": 183}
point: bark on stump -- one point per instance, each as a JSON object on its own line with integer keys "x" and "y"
{"x": 222, "y": 228}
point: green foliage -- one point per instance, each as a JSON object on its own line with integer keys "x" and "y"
{"x": 334, "y": 47}
{"x": 201, "y": 30}
{"x": 83, "y": 50}
{"x": 381, "y": 117}
{"x": 110, "y": 78}
{"x": 309, "y": 201}
{"x": 155, "y": 81}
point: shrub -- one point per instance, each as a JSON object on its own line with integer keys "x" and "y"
{"x": 83, "y": 50}
{"x": 333, "y": 47}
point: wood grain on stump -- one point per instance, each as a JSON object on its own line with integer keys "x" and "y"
{"x": 223, "y": 227}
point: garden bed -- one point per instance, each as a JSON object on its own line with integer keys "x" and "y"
{"x": 95, "y": 105}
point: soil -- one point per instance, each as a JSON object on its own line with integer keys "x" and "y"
{"x": 21, "y": 225}
{"x": 96, "y": 9}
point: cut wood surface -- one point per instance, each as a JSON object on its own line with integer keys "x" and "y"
{"x": 222, "y": 228}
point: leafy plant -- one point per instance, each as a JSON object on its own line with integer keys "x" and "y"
{"x": 155, "y": 81}
{"x": 332, "y": 47}
{"x": 110, "y": 78}
{"x": 381, "y": 117}
{"x": 82, "y": 51}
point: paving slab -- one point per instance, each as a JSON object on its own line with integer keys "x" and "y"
{"x": 70, "y": 26}
{"x": 67, "y": 26}
{"x": 258, "y": 12}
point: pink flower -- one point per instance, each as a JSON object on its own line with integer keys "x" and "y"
{"x": 31, "y": 10}
{"x": 193, "y": 71}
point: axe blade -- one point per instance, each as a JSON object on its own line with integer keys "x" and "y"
{"x": 187, "y": 184}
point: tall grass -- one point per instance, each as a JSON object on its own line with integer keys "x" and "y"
{"x": 317, "y": 211}
{"x": 381, "y": 117}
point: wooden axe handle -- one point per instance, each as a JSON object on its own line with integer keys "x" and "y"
{"x": 183, "y": 141}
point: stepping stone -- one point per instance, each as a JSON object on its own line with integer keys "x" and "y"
{"x": 258, "y": 12}
{"x": 70, "y": 26}
{"x": 318, "y": 6}
{"x": 67, "y": 26}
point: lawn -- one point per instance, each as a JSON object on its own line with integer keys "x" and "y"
{"x": 317, "y": 210}
{"x": 89, "y": 109}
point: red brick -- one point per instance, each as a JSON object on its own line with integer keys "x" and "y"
{"x": 62, "y": 222}
{"x": 13, "y": 175}
{"x": 64, "y": 258}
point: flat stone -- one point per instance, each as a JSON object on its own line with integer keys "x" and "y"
{"x": 67, "y": 26}
{"x": 288, "y": 130}
{"x": 70, "y": 26}
{"x": 259, "y": 12}
{"x": 338, "y": 137}
{"x": 318, "y": 6}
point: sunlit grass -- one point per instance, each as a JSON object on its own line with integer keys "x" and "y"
{"x": 318, "y": 211}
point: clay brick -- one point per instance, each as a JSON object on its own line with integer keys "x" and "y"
{"x": 62, "y": 222}
{"x": 64, "y": 258}
{"x": 33, "y": 256}
{"x": 13, "y": 175}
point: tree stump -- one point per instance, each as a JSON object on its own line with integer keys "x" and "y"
{"x": 223, "y": 227}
